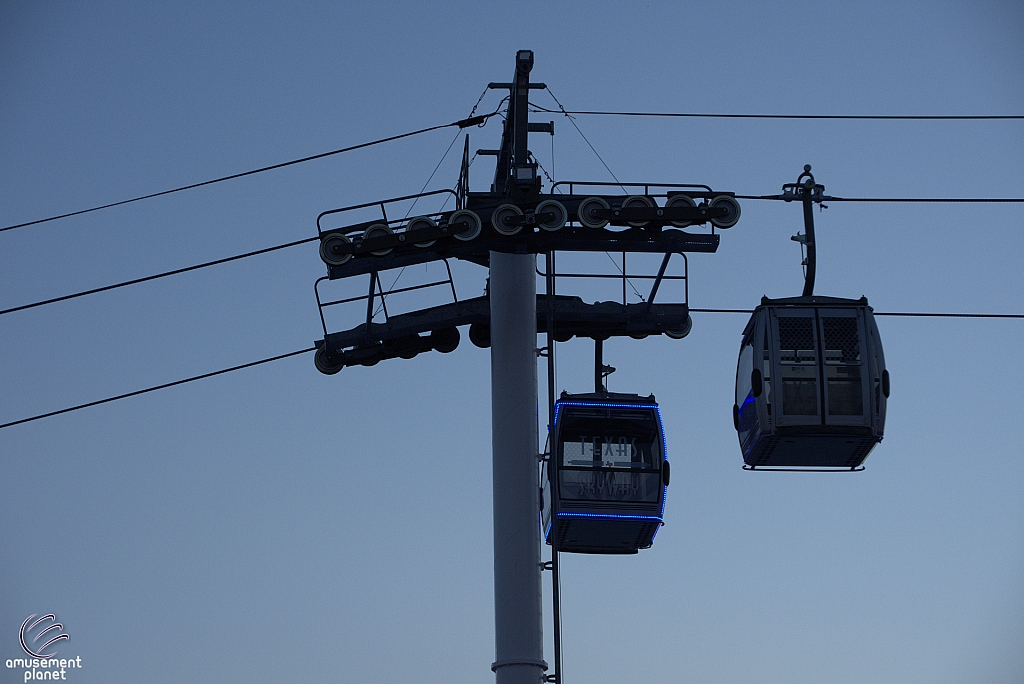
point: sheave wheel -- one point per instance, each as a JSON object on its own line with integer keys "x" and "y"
{"x": 419, "y": 223}
{"x": 680, "y": 201}
{"x": 680, "y": 333}
{"x": 733, "y": 211}
{"x": 465, "y": 225}
{"x": 503, "y": 217}
{"x": 637, "y": 201}
{"x": 557, "y": 211}
{"x": 327, "y": 247}
{"x": 585, "y": 212}
{"x": 375, "y": 231}
{"x": 326, "y": 363}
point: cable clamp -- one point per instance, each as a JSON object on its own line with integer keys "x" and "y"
{"x": 471, "y": 121}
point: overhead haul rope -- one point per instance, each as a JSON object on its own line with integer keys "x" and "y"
{"x": 306, "y": 351}
{"x": 885, "y": 313}
{"x": 921, "y": 200}
{"x": 462, "y": 123}
{"x": 383, "y": 296}
{"x": 157, "y": 387}
{"x": 568, "y": 116}
{"x": 176, "y": 271}
{"x": 601, "y": 159}
{"x": 834, "y": 117}
{"x": 465, "y": 123}
{"x": 216, "y": 262}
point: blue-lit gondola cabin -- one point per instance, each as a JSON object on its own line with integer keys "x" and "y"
{"x": 607, "y": 475}
{"x": 811, "y": 384}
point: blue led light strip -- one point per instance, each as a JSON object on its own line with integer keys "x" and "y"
{"x": 609, "y": 516}
{"x": 664, "y": 457}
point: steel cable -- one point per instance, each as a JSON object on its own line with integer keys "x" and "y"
{"x": 306, "y": 351}
{"x": 464, "y": 123}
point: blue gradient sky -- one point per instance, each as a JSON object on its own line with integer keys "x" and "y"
{"x": 280, "y": 525}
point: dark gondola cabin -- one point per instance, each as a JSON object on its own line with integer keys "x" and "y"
{"x": 607, "y": 475}
{"x": 811, "y": 384}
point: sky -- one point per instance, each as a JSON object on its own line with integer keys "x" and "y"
{"x": 275, "y": 524}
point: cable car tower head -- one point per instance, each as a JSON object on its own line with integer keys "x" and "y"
{"x": 811, "y": 383}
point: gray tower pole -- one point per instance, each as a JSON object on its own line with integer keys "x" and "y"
{"x": 518, "y": 618}
{"x": 518, "y": 635}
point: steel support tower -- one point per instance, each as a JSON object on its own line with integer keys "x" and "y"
{"x": 504, "y": 229}
{"x": 518, "y": 616}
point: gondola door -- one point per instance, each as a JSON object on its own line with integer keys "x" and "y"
{"x": 845, "y": 371}
{"x": 794, "y": 367}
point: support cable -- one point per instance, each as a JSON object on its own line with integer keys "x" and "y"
{"x": 176, "y": 271}
{"x": 462, "y": 123}
{"x": 157, "y": 387}
{"x": 305, "y": 351}
{"x": 383, "y": 296}
{"x": 833, "y": 117}
{"x": 246, "y": 255}
{"x": 594, "y": 150}
{"x": 937, "y": 200}
{"x": 573, "y": 122}
{"x": 622, "y": 272}
{"x": 444, "y": 156}
{"x": 472, "y": 112}
{"x": 887, "y": 313}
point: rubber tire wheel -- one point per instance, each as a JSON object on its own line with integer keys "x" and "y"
{"x": 467, "y": 216}
{"x": 445, "y": 340}
{"x": 328, "y": 364}
{"x": 426, "y": 221}
{"x": 562, "y": 215}
{"x": 329, "y": 258}
{"x": 411, "y": 346}
{"x": 505, "y": 210}
{"x": 581, "y": 215}
{"x": 480, "y": 335}
{"x": 378, "y": 230}
{"x": 680, "y": 201}
{"x": 731, "y": 219}
{"x": 638, "y": 201}
{"x": 682, "y": 332}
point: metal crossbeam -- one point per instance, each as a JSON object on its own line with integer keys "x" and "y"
{"x": 571, "y": 315}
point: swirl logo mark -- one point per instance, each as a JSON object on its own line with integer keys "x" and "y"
{"x": 54, "y": 630}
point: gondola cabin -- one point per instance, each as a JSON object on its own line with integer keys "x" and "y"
{"x": 607, "y": 474}
{"x": 811, "y": 384}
